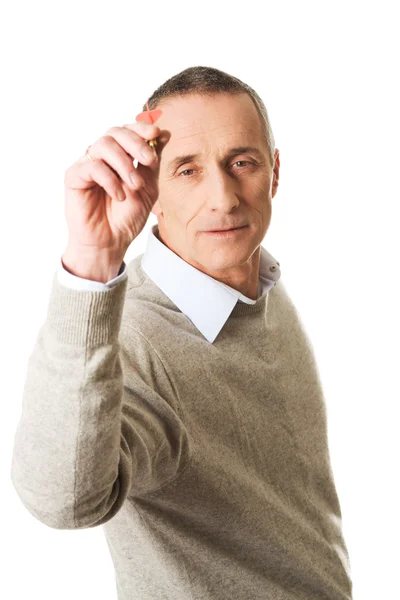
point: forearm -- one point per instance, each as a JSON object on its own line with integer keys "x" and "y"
{"x": 67, "y": 444}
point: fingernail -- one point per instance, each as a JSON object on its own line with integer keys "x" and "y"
{"x": 147, "y": 153}
{"x": 121, "y": 195}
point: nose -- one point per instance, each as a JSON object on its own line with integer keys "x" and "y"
{"x": 222, "y": 191}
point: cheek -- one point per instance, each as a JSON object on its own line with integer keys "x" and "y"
{"x": 180, "y": 214}
{"x": 261, "y": 197}
{"x": 186, "y": 205}
{"x": 261, "y": 184}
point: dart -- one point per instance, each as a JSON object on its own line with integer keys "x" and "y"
{"x": 149, "y": 116}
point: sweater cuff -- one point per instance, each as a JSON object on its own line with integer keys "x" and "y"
{"x": 83, "y": 317}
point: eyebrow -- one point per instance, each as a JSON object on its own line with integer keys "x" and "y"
{"x": 184, "y": 158}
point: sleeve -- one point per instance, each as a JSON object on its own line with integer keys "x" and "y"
{"x": 79, "y": 283}
{"x": 88, "y": 436}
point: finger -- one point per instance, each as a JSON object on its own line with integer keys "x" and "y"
{"x": 148, "y": 131}
{"x": 108, "y": 149}
{"x": 98, "y": 172}
{"x": 134, "y": 144}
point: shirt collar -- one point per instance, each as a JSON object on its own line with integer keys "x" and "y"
{"x": 206, "y": 301}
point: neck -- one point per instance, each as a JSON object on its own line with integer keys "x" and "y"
{"x": 246, "y": 283}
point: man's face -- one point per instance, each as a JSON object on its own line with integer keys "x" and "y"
{"x": 222, "y": 186}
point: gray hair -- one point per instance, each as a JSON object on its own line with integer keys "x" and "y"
{"x": 208, "y": 81}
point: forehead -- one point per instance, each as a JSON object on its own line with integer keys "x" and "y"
{"x": 207, "y": 120}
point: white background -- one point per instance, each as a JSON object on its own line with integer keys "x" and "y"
{"x": 328, "y": 73}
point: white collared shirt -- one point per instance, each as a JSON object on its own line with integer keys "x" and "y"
{"x": 191, "y": 290}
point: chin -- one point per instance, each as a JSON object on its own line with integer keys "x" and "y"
{"x": 226, "y": 259}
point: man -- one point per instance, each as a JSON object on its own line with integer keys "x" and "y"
{"x": 178, "y": 403}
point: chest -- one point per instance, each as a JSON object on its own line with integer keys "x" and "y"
{"x": 265, "y": 408}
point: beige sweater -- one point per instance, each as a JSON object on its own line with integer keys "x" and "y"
{"x": 207, "y": 465}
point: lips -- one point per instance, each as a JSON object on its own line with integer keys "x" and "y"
{"x": 230, "y": 228}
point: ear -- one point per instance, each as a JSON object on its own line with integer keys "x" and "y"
{"x": 277, "y": 164}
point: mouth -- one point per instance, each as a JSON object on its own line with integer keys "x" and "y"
{"x": 226, "y": 232}
{"x": 230, "y": 229}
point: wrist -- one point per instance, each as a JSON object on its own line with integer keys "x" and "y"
{"x": 95, "y": 266}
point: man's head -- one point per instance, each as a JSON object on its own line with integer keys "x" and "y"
{"x": 218, "y": 169}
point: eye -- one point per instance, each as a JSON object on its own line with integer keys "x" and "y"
{"x": 243, "y": 161}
